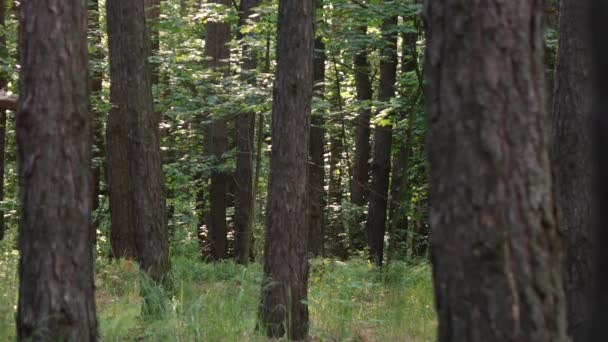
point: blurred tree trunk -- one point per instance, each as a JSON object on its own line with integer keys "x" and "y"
{"x": 4, "y": 54}
{"x": 316, "y": 170}
{"x": 572, "y": 162}
{"x": 216, "y": 40}
{"x": 131, "y": 98}
{"x": 285, "y": 283}
{"x": 56, "y": 291}
{"x": 381, "y": 164}
{"x": 496, "y": 252}
{"x": 359, "y": 190}
{"x": 152, "y": 15}
{"x": 245, "y": 131}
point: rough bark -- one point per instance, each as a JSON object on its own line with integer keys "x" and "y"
{"x": 245, "y": 132}
{"x": 56, "y": 291}
{"x": 285, "y": 261}
{"x": 360, "y": 191}
{"x": 216, "y": 48}
{"x": 3, "y": 83}
{"x": 571, "y": 161}
{"x": 131, "y": 98}
{"x": 383, "y": 135}
{"x": 496, "y": 253}
{"x": 316, "y": 169}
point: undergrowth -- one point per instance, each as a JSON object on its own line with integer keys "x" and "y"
{"x": 348, "y": 301}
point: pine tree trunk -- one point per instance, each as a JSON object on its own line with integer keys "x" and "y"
{"x": 383, "y": 135}
{"x": 56, "y": 291}
{"x": 316, "y": 170}
{"x": 131, "y": 98}
{"x": 572, "y": 162}
{"x": 245, "y": 131}
{"x": 496, "y": 252}
{"x": 217, "y": 38}
{"x": 359, "y": 190}
{"x": 285, "y": 285}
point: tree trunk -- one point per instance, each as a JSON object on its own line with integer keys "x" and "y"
{"x": 245, "y": 132}
{"x": 360, "y": 190}
{"x": 217, "y": 38}
{"x": 316, "y": 169}
{"x": 56, "y": 291}
{"x": 131, "y": 98}
{"x": 4, "y": 54}
{"x": 496, "y": 252}
{"x": 381, "y": 163}
{"x": 152, "y": 8}
{"x": 572, "y": 162}
{"x": 285, "y": 261}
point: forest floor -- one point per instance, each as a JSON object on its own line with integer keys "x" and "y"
{"x": 348, "y": 301}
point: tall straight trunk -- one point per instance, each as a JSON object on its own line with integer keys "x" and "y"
{"x": 359, "y": 190}
{"x": 131, "y": 98}
{"x": 598, "y": 16}
{"x": 56, "y": 291}
{"x": 496, "y": 252}
{"x": 152, "y": 8}
{"x": 96, "y": 81}
{"x": 245, "y": 131}
{"x": 217, "y": 38}
{"x": 383, "y": 135}
{"x": 316, "y": 166}
{"x": 285, "y": 284}
{"x": 571, "y": 159}
{"x": 4, "y": 54}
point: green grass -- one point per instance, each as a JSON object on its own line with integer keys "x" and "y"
{"x": 218, "y": 302}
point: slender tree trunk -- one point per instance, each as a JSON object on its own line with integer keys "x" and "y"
{"x": 381, "y": 164}
{"x": 56, "y": 291}
{"x": 285, "y": 285}
{"x": 497, "y": 258}
{"x": 152, "y": 8}
{"x": 316, "y": 169}
{"x": 131, "y": 98}
{"x": 4, "y": 54}
{"x": 572, "y": 162}
{"x": 245, "y": 131}
{"x": 360, "y": 191}
{"x": 217, "y": 38}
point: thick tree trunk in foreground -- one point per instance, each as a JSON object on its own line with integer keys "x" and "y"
{"x": 381, "y": 163}
{"x": 217, "y": 38}
{"x": 131, "y": 98}
{"x": 56, "y": 292}
{"x": 316, "y": 170}
{"x": 245, "y": 131}
{"x": 3, "y": 84}
{"x": 571, "y": 159}
{"x": 497, "y": 258}
{"x": 285, "y": 284}
{"x": 359, "y": 190}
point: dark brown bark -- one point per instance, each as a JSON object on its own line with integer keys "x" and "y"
{"x": 383, "y": 135}
{"x": 571, "y": 161}
{"x": 56, "y": 291}
{"x": 131, "y": 98}
{"x": 152, "y": 8}
{"x": 245, "y": 131}
{"x": 285, "y": 284}
{"x": 497, "y": 258}
{"x": 360, "y": 190}
{"x": 316, "y": 169}
{"x": 217, "y": 38}
{"x": 598, "y": 16}
{"x": 3, "y": 83}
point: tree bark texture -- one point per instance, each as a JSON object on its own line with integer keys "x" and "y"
{"x": 383, "y": 135}
{"x": 571, "y": 157}
{"x": 285, "y": 284}
{"x": 316, "y": 170}
{"x": 496, "y": 252}
{"x": 217, "y": 38}
{"x": 245, "y": 132}
{"x": 131, "y": 98}
{"x": 359, "y": 190}
{"x": 56, "y": 291}
{"x": 3, "y": 84}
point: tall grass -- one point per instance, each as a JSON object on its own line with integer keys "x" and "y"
{"x": 349, "y": 301}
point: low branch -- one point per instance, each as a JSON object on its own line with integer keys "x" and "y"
{"x": 8, "y": 101}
